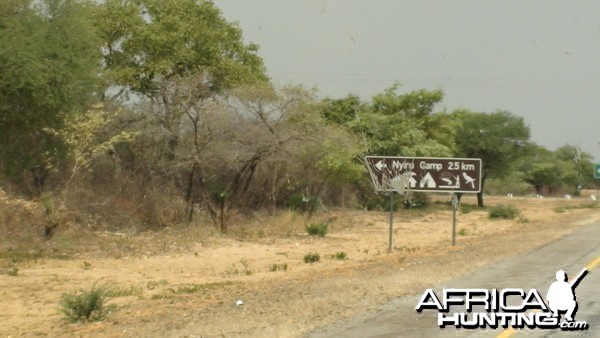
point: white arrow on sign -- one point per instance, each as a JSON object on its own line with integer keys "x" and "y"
{"x": 380, "y": 165}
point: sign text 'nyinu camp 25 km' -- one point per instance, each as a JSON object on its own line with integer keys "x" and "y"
{"x": 426, "y": 174}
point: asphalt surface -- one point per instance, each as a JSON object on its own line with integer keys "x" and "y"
{"x": 533, "y": 270}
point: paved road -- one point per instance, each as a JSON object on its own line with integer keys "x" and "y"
{"x": 533, "y": 270}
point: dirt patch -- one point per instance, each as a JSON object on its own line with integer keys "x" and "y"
{"x": 179, "y": 284}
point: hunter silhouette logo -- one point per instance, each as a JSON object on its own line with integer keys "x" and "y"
{"x": 511, "y": 307}
{"x": 561, "y": 294}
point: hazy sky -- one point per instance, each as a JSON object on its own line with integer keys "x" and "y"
{"x": 536, "y": 59}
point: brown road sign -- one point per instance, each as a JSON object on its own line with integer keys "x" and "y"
{"x": 427, "y": 174}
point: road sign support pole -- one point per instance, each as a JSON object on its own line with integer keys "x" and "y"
{"x": 454, "y": 207}
{"x": 391, "y": 220}
{"x": 453, "y": 226}
{"x": 597, "y": 178}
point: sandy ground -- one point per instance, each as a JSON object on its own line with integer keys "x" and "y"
{"x": 163, "y": 290}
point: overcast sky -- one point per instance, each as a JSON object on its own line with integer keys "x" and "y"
{"x": 536, "y": 59}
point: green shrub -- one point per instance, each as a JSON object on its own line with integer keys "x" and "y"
{"x": 85, "y": 306}
{"x": 381, "y": 202}
{"x": 340, "y": 255}
{"x": 512, "y": 183}
{"x": 312, "y": 257}
{"x": 279, "y": 267}
{"x": 467, "y": 208}
{"x": 560, "y": 210}
{"x": 18, "y": 255}
{"x": 503, "y": 211}
{"x": 14, "y": 271}
{"x": 300, "y": 202}
{"x": 317, "y": 229}
{"x": 418, "y": 200}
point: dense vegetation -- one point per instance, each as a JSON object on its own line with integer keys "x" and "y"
{"x": 157, "y": 112}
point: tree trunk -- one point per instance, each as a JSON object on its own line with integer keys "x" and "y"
{"x": 50, "y": 228}
{"x": 39, "y": 174}
{"x": 274, "y": 192}
{"x": 223, "y": 216}
{"x": 189, "y": 196}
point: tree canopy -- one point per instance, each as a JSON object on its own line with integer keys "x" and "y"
{"x": 498, "y": 139}
{"x": 396, "y": 124}
{"x": 148, "y": 43}
{"x": 49, "y": 66}
{"x": 567, "y": 166}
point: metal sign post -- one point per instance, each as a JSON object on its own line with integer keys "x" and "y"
{"x": 391, "y": 239}
{"x": 597, "y": 177}
{"x": 426, "y": 174}
{"x": 398, "y": 184}
{"x": 455, "y": 205}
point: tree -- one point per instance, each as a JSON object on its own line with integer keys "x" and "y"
{"x": 394, "y": 124}
{"x": 406, "y": 125}
{"x": 284, "y": 148}
{"x": 153, "y": 46}
{"x": 537, "y": 168}
{"x": 149, "y": 43}
{"x": 342, "y": 111}
{"x": 181, "y": 58}
{"x": 49, "y": 65}
{"x": 567, "y": 166}
{"x": 86, "y": 138}
{"x": 498, "y": 139}
{"x": 580, "y": 165}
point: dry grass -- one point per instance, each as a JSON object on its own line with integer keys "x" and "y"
{"x": 187, "y": 278}
{"x": 20, "y": 219}
{"x": 261, "y": 226}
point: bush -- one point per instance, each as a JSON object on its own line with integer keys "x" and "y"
{"x": 512, "y": 183}
{"x": 382, "y": 202}
{"x": 279, "y": 267}
{"x": 20, "y": 219}
{"x": 317, "y": 229}
{"x": 300, "y": 202}
{"x": 467, "y": 208}
{"x": 85, "y": 306}
{"x": 340, "y": 255}
{"x": 417, "y": 200}
{"x": 14, "y": 271}
{"x": 503, "y": 211}
{"x": 312, "y": 257}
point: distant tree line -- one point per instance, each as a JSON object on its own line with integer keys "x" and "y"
{"x": 160, "y": 112}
